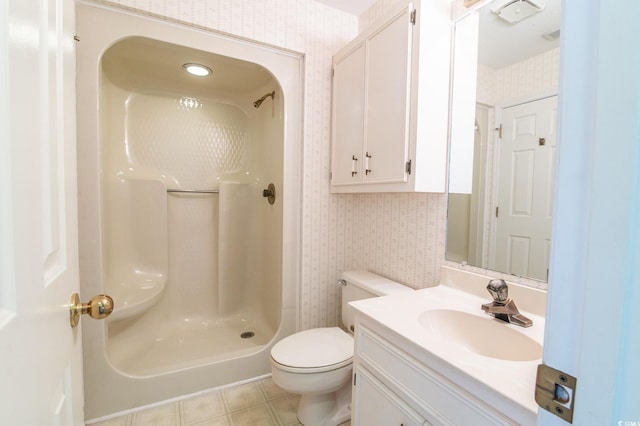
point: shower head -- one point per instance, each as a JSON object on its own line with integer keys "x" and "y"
{"x": 261, "y": 100}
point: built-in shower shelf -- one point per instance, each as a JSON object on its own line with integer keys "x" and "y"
{"x": 131, "y": 299}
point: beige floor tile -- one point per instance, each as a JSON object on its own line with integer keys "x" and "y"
{"x": 271, "y": 390}
{"x": 220, "y": 421}
{"x": 285, "y": 409}
{"x": 204, "y": 407}
{"x": 119, "y": 421}
{"x": 259, "y": 415}
{"x": 164, "y": 415}
{"x": 243, "y": 396}
{"x": 260, "y": 403}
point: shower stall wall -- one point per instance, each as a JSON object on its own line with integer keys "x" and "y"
{"x": 173, "y": 222}
{"x": 183, "y": 233}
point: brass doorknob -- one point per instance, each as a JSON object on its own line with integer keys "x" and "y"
{"x": 99, "y": 307}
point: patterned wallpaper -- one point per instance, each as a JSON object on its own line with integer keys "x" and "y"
{"x": 369, "y": 16}
{"x": 532, "y": 76}
{"x": 401, "y": 236}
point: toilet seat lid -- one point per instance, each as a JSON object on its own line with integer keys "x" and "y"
{"x": 318, "y": 347}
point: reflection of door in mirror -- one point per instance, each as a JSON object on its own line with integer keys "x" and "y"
{"x": 525, "y": 176}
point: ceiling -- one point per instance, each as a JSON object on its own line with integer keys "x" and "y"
{"x": 143, "y": 64}
{"x": 502, "y": 43}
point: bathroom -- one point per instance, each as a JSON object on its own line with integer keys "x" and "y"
{"x": 349, "y": 231}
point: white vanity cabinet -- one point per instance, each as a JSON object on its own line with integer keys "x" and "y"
{"x": 377, "y": 405}
{"x": 390, "y": 103}
{"x": 393, "y": 385}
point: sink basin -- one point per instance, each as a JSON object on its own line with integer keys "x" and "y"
{"x": 484, "y": 336}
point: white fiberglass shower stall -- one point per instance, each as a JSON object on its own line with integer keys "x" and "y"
{"x": 175, "y": 223}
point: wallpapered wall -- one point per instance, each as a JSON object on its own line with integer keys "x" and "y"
{"x": 536, "y": 75}
{"x": 400, "y": 236}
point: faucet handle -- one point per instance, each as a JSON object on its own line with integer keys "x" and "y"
{"x": 499, "y": 291}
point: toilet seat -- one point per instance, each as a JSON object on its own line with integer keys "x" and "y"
{"x": 313, "y": 351}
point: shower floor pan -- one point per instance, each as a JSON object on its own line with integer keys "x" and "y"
{"x": 183, "y": 344}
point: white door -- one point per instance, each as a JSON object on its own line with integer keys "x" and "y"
{"x": 525, "y": 200}
{"x": 41, "y": 364}
{"x": 593, "y": 304}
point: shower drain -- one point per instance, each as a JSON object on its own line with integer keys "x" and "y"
{"x": 247, "y": 334}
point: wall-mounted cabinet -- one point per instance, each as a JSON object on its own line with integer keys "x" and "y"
{"x": 391, "y": 103}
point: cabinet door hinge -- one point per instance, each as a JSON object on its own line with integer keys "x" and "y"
{"x": 408, "y": 167}
{"x": 499, "y": 130}
{"x": 555, "y": 392}
{"x": 412, "y": 17}
{"x": 497, "y": 210}
{"x": 354, "y": 379}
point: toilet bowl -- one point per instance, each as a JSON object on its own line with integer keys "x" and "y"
{"x": 317, "y": 363}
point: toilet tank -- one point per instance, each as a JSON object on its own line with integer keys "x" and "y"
{"x": 364, "y": 285}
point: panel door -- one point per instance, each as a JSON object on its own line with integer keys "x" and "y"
{"x": 387, "y": 101}
{"x": 41, "y": 368}
{"x": 526, "y": 175}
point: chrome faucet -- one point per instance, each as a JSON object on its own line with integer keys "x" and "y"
{"x": 502, "y": 306}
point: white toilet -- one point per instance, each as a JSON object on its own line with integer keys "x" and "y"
{"x": 317, "y": 363}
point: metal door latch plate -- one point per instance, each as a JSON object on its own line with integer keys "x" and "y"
{"x": 556, "y": 392}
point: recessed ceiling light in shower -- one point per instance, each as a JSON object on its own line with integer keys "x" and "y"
{"x": 197, "y": 69}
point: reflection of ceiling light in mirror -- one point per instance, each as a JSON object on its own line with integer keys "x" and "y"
{"x": 516, "y": 10}
{"x": 197, "y": 69}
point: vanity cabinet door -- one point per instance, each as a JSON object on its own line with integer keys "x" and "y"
{"x": 375, "y": 404}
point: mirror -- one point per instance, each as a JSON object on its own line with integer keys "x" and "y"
{"x": 502, "y": 154}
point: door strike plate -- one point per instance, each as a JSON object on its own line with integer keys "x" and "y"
{"x": 556, "y": 392}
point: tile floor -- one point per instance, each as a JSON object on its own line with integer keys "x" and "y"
{"x": 259, "y": 403}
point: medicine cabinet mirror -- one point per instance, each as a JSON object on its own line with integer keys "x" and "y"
{"x": 502, "y": 157}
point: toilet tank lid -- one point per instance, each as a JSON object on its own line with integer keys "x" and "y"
{"x": 376, "y": 284}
